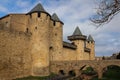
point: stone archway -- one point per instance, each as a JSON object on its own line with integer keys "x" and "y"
{"x": 88, "y": 72}
{"x": 111, "y": 71}
{"x": 61, "y": 72}
{"x": 71, "y": 73}
{"x": 102, "y": 69}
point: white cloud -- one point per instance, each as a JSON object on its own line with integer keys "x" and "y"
{"x": 73, "y": 12}
{"x": 3, "y": 9}
{"x": 22, "y": 3}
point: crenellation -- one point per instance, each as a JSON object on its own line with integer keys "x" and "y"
{"x": 31, "y": 41}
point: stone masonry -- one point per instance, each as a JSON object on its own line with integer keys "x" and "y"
{"x": 30, "y": 42}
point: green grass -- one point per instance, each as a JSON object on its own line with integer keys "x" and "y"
{"x": 110, "y": 74}
{"x": 36, "y": 77}
{"x": 89, "y": 71}
{"x": 105, "y": 79}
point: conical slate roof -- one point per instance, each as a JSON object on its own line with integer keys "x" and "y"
{"x": 37, "y": 8}
{"x": 77, "y": 35}
{"x": 90, "y": 38}
{"x": 55, "y": 17}
{"x": 77, "y": 31}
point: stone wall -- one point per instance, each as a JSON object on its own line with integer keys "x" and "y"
{"x": 91, "y": 46}
{"x": 24, "y": 45}
{"x": 86, "y": 56}
{"x": 5, "y": 23}
{"x": 15, "y": 57}
{"x": 69, "y": 54}
{"x": 18, "y": 22}
{"x": 40, "y": 40}
{"x": 56, "y": 45}
{"x": 80, "y": 49}
{"x": 15, "y": 22}
{"x": 29, "y": 42}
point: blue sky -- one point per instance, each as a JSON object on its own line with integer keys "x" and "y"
{"x": 73, "y": 13}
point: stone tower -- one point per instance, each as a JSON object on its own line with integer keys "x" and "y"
{"x": 79, "y": 40}
{"x": 39, "y": 26}
{"x": 56, "y": 38}
{"x": 30, "y": 43}
{"x": 91, "y": 45}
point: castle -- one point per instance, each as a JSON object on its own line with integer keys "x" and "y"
{"x": 30, "y": 41}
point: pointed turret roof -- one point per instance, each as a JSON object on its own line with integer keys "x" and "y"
{"x": 37, "y": 8}
{"x": 77, "y": 31}
{"x": 90, "y": 38}
{"x": 77, "y": 35}
{"x": 55, "y": 17}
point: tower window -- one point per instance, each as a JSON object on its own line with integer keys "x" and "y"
{"x": 30, "y": 16}
{"x": 39, "y": 14}
{"x": 50, "y": 47}
{"x": 27, "y": 30}
{"x": 36, "y": 27}
{"x": 54, "y": 23}
{"x": 55, "y": 34}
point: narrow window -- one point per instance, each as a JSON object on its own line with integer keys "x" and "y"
{"x": 54, "y": 23}
{"x": 55, "y": 34}
{"x": 50, "y": 47}
{"x": 39, "y": 14}
{"x": 27, "y": 30}
{"x": 35, "y": 27}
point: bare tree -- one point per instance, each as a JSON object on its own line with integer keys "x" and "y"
{"x": 106, "y": 10}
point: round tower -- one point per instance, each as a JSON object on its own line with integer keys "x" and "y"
{"x": 38, "y": 26}
{"x": 56, "y": 38}
{"x": 91, "y": 46}
{"x": 79, "y": 40}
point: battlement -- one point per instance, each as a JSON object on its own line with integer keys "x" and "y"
{"x": 87, "y": 49}
{"x": 77, "y": 37}
{"x": 30, "y": 41}
{"x": 69, "y": 45}
{"x": 23, "y": 21}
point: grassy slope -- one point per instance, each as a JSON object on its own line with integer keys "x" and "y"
{"x": 36, "y": 77}
{"x": 111, "y": 74}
